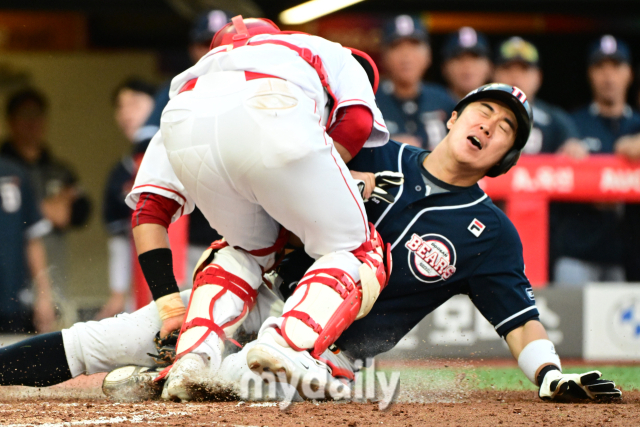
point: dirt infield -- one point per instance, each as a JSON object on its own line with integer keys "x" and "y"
{"x": 80, "y": 403}
{"x": 478, "y": 409}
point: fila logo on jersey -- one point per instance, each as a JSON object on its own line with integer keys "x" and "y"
{"x": 432, "y": 257}
{"x": 476, "y": 227}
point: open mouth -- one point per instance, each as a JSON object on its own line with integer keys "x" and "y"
{"x": 475, "y": 141}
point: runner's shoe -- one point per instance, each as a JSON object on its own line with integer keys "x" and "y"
{"x": 132, "y": 384}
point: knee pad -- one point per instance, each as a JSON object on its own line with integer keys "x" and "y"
{"x": 211, "y": 282}
{"x": 267, "y": 258}
{"x": 207, "y": 257}
{"x": 374, "y": 271}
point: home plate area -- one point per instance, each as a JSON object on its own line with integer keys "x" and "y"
{"x": 431, "y": 401}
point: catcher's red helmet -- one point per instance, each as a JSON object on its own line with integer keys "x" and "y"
{"x": 248, "y": 27}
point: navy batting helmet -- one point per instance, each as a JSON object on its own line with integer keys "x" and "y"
{"x": 516, "y": 100}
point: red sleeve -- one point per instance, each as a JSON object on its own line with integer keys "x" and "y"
{"x": 352, "y": 127}
{"x": 154, "y": 209}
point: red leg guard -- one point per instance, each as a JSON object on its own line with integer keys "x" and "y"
{"x": 346, "y": 288}
{"x": 220, "y": 282}
{"x": 322, "y": 315}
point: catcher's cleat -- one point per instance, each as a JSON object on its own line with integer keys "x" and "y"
{"x": 193, "y": 374}
{"x": 185, "y": 375}
{"x": 132, "y": 384}
{"x": 272, "y": 358}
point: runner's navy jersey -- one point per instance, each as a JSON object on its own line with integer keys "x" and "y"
{"x": 446, "y": 240}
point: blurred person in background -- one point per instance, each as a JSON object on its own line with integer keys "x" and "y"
{"x": 132, "y": 102}
{"x": 632, "y": 220}
{"x": 415, "y": 112}
{"x": 518, "y": 64}
{"x": 466, "y": 63}
{"x": 204, "y": 28}
{"x": 590, "y": 235}
{"x": 22, "y": 256}
{"x": 56, "y": 186}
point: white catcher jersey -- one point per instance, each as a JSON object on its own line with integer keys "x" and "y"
{"x": 347, "y": 78}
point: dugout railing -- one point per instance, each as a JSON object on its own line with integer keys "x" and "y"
{"x": 537, "y": 180}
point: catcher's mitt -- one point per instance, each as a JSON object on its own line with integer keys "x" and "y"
{"x": 384, "y": 180}
{"x": 166, "y": 348}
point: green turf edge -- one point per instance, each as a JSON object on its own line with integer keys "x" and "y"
{"x": 497, "y": 378}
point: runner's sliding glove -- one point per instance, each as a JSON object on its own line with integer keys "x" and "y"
{"x": 559, "y": 386}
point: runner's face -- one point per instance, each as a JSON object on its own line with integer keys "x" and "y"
{"x": 482, "y": 134}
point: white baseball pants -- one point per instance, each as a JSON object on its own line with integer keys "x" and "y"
{"x": 253, "y": 154}
{"x": 125, "y": 339}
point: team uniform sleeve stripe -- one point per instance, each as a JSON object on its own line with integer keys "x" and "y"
{"x": 154, "y": 209}
{"x": 352, "y": 127}
{"x": 39, "y": 229}
{"x": 162, "y": 188}
{"x": 521, "y": 312}
{"x": 379, "y": 134}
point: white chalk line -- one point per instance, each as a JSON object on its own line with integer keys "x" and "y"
{"x": 258, "y": 405}
{"x": 113, "y": 420}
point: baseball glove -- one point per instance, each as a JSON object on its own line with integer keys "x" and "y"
{"x": 166, "y": 348}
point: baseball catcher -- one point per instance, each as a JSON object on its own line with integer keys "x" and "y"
{"x": 257, "y": 134}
